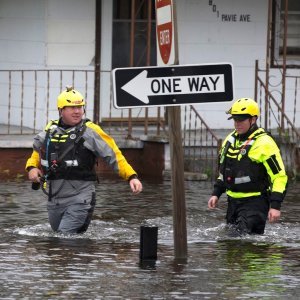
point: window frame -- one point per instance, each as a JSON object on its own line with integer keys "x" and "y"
{"x": 292, "y": 60}
{"x": 122, "y": 17}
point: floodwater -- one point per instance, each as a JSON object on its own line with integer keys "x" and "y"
{"x": 103, "y": 263}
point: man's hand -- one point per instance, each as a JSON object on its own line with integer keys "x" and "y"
{"x": 135, "y": 185}
{"x": 35, "y": 174}
{"x": 213, "y": 202}
{"x": 274, "y": 215}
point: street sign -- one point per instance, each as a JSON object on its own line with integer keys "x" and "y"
{"x": 165, "y": 32}
{"x": 173, "y": 85}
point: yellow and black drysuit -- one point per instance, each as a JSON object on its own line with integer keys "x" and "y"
{"x": 67, "y": 156}
{"x": 253, "y": 176}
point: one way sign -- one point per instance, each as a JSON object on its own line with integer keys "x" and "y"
{"x": 174, "y": 85}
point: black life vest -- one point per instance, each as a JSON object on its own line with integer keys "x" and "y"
{"x": 240, "y": 173}
{"x": 63, "y": 155}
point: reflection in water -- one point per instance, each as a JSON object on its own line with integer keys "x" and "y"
{"x": 103, "y": 263}
{"x": 254, "y": 268}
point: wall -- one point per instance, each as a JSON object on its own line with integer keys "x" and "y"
{"x": 147, "y": 161}
{"x": 39, "y": 33}
{"x": 22, "y": 34}
{"x": 70, "y": 40}
{"x": 226, "y": 31}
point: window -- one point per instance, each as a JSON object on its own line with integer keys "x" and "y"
{"x": 122, "y": 33}
{"x": 293, "y": 33}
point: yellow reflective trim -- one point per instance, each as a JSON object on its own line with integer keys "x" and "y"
{"x": 58, "y": 141}
{"x": 61, "y": 136}
{"x": 242, "y": 195}
{"x": 52, "y": 122}
{"x": 232, "y": 151}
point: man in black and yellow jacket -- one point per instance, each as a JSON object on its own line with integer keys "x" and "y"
{"x": 64, "y": 155}
{"x": 252, "y": 172}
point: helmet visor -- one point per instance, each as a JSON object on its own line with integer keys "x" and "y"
{"x": 240, "y": 117}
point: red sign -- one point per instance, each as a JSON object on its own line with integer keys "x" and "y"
{"x": 165, "y": 30}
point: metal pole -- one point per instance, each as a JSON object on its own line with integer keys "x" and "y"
{"x": 131, "y": 63}
{"x": 256, "y": 80}
{"x": 96, "y": 115}
{"x": 268, "y": 62}
{"x": 284, "y": 62}
{"x": 148, "y": 60}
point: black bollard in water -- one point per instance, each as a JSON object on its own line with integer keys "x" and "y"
{"x": 35, "y": 186}
{"x": 148, "y": 243}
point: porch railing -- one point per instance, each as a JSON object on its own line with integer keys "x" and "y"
{"x": 280, "y": 119}
{"x": 201, "y": 144}
{"x": 28, "y": 97}
{"x": 28, "y": 102}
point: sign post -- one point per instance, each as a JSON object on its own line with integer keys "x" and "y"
{"x": 166, "y": 32}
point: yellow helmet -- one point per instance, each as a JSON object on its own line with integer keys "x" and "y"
{"x": 243, "y": 108}
{"x": 70, "y": 97}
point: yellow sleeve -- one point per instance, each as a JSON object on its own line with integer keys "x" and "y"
{"x": 267, "y": 152}
{"x": 111, "y": 152}
{"x": 33, "y": 160}
{"x": 276, "y": 171}
{"x": 125, "y": 169}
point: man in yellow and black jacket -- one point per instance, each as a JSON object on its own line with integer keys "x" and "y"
{"x": 252, "y": 172}
{"x": 64, "y": 155}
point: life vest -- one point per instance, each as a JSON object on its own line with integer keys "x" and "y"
{"x": 63, "y": 155}
{"x": 238, "y": 171}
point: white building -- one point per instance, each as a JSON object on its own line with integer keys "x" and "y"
{"x": 61, "y": 35}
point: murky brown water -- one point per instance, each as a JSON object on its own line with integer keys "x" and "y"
{"x": 103, "y": 263}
